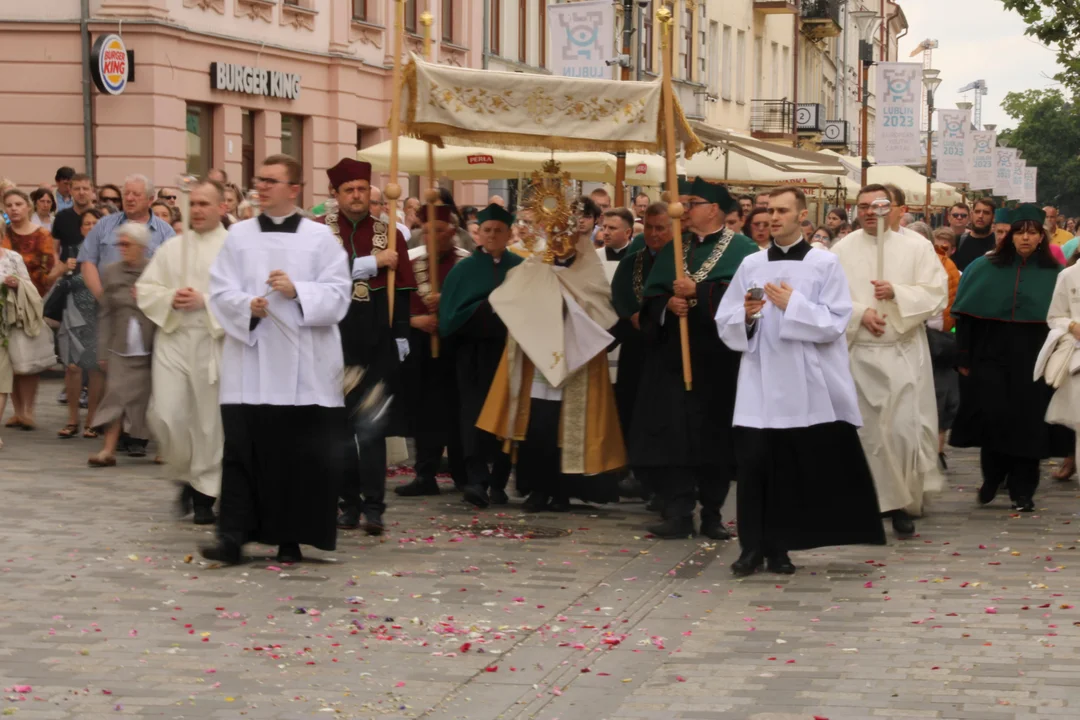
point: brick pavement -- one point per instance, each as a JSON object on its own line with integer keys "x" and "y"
{"x": 103, "y": 613}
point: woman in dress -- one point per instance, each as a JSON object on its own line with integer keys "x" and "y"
{"x": 77, "y": 340}
{"x": 44, "y": 208}
{"x": 1001, "y": 313}
{"x": 126, "y": 337}
{"x": 1064, "y": 314}
{"x": 42, "y": 261}
{"x": 12, "y": 272}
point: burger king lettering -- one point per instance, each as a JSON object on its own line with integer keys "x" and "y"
{"x": 110, "y": 66}
{"x": 254, "y": 81}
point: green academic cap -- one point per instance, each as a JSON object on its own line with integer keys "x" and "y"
{"x": 495, "y": 212}
{"x": 684, "y": 185}
{"x": 1029, "y": 211}
{"x": 1003, "y": 215}
{"x": 714, "y": 193}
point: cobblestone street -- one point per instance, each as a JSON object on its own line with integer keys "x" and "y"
{"x": 106, "y": 610}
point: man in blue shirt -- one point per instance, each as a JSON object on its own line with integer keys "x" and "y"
{"x": 99, "y": 249}
{"x": 63, "y": 188}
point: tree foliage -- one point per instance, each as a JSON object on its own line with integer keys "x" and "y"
{"x": 1055, "y": 23}
{"x": 1047, "y": 133}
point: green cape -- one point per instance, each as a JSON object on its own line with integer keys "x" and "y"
{"x": 1014, "y": 293}
{"x": 623, "y": 297}
{"x": 469, "y": 284}
{"x": 637, "y": 243}
{"x": 663, "y": 271}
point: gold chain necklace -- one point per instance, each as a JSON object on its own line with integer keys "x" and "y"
{"x": 639, "y": 272}
{"x": 710, "y": 262}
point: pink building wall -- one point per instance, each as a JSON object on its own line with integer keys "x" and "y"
{"x": 343, "y": 64}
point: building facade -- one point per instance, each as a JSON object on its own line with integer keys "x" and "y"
{"x": 191, "y": 103}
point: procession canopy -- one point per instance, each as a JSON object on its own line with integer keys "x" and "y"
{"x": 444, "y": 104}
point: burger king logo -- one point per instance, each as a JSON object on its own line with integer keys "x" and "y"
{"x": 109, "y": 64}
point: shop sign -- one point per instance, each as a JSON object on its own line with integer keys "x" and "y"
{"x": 110, "y": 65}
{"x": 481, "y": 160}
{"x": 254, "y": 81}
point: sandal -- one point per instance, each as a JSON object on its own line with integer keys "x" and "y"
{"x": 1068, "y": 469}
{"x": 102, "y": 461}
{"x": 68, "y": 432}
{"x": 27, "y": 427}
{"x": 90, "y": 433}
{"x": 14, "y": 422}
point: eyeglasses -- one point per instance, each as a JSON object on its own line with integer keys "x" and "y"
{"x": 110, "y": 198}
{"x": 272, "y": 181}
{"x": 123, "y": 244}
{"x": 958, "y": 216}
{"x": 695, "y": 203}
{"x": 168, "y": 197}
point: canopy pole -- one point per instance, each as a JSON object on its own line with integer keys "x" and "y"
{"x": 675, "y": 208}
{"x": 432, "y": 195}
{"x": 624, "y": 74}
{"x": 393, "y": 189}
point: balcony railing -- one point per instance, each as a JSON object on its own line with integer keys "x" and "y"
{"x": 821, "y": 18}
{"x": 775, "y": 7}
{"x": 772, "y": 118}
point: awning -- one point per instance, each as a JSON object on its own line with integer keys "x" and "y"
{"x": 448, "y": 105}
{"x": 771, "y": 155}
{"x": 486, "y": 163}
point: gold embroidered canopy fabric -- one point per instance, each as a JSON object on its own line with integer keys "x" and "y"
{"x": 443, "y": 104}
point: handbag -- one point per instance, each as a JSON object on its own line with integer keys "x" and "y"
{"x": 31, "y": 355}
{"x": 56, "y": 299}
{"x": 1057, "y": 365}
{"x": 943, "y": 352}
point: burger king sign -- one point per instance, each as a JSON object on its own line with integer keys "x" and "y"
{"x": 110, "y": 65}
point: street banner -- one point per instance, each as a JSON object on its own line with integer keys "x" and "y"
{"x": 1003, "y": 176}
{"x": 1030, "y": 178}
{"x": 953, "y": 145}
{"x": 983, "y": 160}
{"x": 582, "y": 38}
{"x": 1016, "y": 182}
{"x": 896, "y": 128}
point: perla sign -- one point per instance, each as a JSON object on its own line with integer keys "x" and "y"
{"x": 254, "y": 81}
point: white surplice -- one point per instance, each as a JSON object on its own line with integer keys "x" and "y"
{"x": 1064, "y": 406}
{"x": 893, "y": 374}
{"x": 292, "y": 357}
{"x": 184, "y": 414}
{"x": 794, "y": 369}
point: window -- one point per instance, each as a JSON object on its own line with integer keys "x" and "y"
{"x": 359, "y": 9}
{"x": 200, "y": 139}
{"x": 774, "y": 71}
{"x": 448, "y": 21}
{"x": 702, "y": 54}
{"x": 759, "y": 65}
{"x": 543, "y": 33}
{"x": 725, "y": 48}
{"x": 786, "y": 67}
{"x": 495, "y": 31}
{"x": 523, "y": 31}
{"x": 410, "y": 16}
{"x": 247, "y": 149}
{"x": 714, "y": 64}
{"x": 292, "y": 136}
{"x": 647, "y": 44}
{"x": 740, "y": 67}
{"x": 687, "y": 50}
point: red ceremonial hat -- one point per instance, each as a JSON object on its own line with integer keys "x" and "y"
{"x": 348, "y": 170}
{"x": 442, "y": 213}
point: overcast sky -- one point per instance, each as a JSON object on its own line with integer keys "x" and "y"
{"x": 978, "y": 39}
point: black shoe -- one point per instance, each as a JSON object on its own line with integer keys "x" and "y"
{"x": 559, "y": 506}
{"x": 476, "y": 496}
{"x": 498, "y": 496}
{"x": 84, "y": 399}
{"x": 373, "y": 523}
{"x": 418, "y": 488}
{"x": 204, "y": 515}
{"x": 630, "y": 487}
{"x": 942, "y": 461}
{"x": 348, "y": 519}
{"x": 289, "y": 553}
{"x": 655, "y": 504}
{"x": 186, "y": 500}
{"x": 137, "y": 448}
{"x": 780, "y": 563}
{"x": 536, "y": 502}
{"x": 749, "y": 562}
{"x": 1025, "y": 505}
{"x": 987, "y": 492}
{"x": 674, "y": 529}
{"x": 714, "y": 529}
{"x": 903, "y": 524}
{"x": 224, "y": 553}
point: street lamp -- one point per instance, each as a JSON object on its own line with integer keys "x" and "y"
{"x": 989, "y": 127}
{"x": 931, "y": 82}
{"x": 866, "y": 21}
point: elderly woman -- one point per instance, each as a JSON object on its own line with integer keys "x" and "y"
{"x": 42, "y": 261}
{"x": 125, "y": 339}
{"x": 12, "y": 274}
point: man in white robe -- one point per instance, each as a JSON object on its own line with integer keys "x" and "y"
{"x": 795, "y": 396}
{"x": 893, "y": 294}
{"x": 185, "y": 415}
{"x": 279, "y": 288}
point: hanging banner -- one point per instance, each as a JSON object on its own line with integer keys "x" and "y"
{"x": 1031, "y": 175}
{"x": 953, "y": 145}
{"x": 982, "y": 160}
{"x": 582, "y": 39}
{"x": 896, "y": 127}
{"x": 1003, "y": 174}
{"x": 1016, "y": 182}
